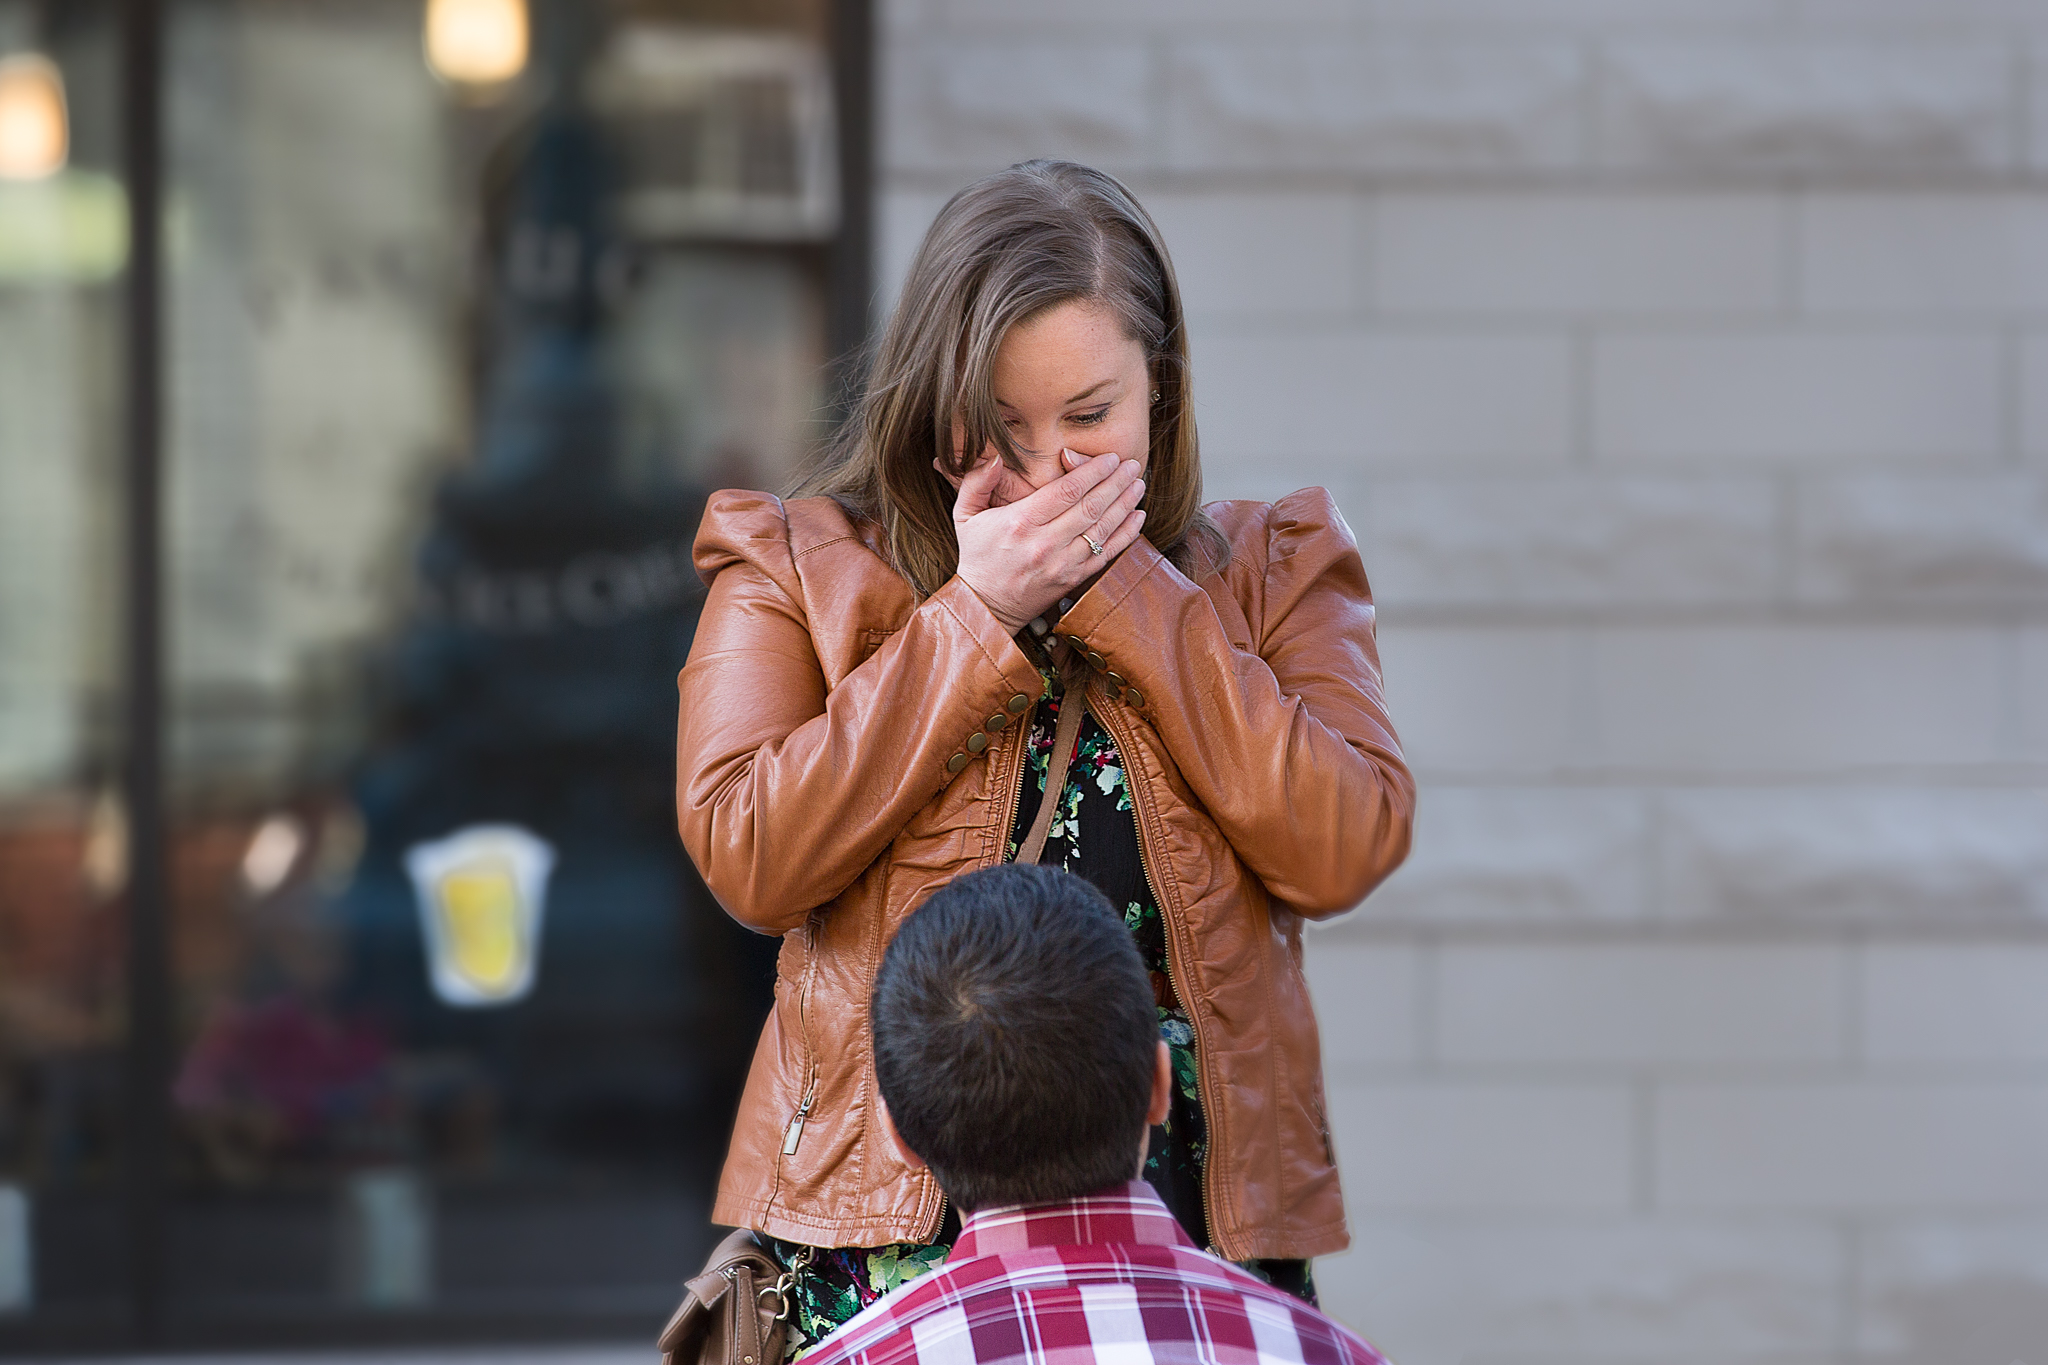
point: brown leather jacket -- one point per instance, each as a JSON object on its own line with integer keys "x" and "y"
{"x": 844, "y": 750}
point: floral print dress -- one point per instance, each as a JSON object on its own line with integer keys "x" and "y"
{"x": 1094, "y": 834}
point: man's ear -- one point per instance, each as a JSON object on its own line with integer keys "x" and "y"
{"x": 1162, "y": 1087}
{"x": 903, "y": 1152}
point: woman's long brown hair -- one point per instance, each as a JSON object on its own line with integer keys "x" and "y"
{"x": 1005, "y": 249}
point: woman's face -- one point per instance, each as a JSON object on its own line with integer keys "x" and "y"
{"x": 1069, "y": 378}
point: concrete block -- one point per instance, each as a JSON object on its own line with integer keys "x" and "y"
{"x": 1822, "y": 105}
{"x": 2033, "y": 695}
{"x": 1889, "y": 855}
{"x": 2034, "y": 396}
{"x": 1570, "y": 539}
{"x": 2037, "y": 100}
{"x": 1906, "y": 538}
{"x": 1365, "y": 997}
{"x": 1510, "y": 14}
{"x": 1338, "y": 104}
{"x": 1519, "y": 856}
{"x": 1270, "y": 254}
{"x": 1967, "y": 1004}
{"x": 1852, "y": 1146}
{"x": 1953, "y": 1289}
{"x": 1578, "y": 254}
{"x": 974, "y": 104}
{"x": 1385, "y": 398}
{"x": 1485, "y": 701}
{"x": 1592, "y": 1290}
{"x": 1892, "y": 15}
{"x": 1431, "y": 1145}
{"x": 1923, "y": 253}
{"x": 1796, "y": 699}
{"x": 1639, "y": 1005}
{"x": 1925, "y": 396}
{"x": 1096, "y": 16}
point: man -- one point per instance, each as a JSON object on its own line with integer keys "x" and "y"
{"x": 1017, "y": 1050}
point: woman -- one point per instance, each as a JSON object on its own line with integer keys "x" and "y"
{"x": 1012, "y": 526}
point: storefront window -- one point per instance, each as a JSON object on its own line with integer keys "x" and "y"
{"x": 469, "y": 303}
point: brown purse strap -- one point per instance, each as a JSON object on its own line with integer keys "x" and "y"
{"x": 1073, "y": 706}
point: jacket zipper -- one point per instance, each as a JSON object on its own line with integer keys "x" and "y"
{"x": 794, "y": 1134}
{"x": 1174, "y": 955}
{"x": 1009, "y": 824}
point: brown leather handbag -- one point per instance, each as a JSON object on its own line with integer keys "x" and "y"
{"x": 737, "y": 1311}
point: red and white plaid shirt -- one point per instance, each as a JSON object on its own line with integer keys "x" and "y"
{"x": 1108, "y": 1278}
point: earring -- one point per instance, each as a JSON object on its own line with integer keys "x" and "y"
{"x": 1155, "y": 395}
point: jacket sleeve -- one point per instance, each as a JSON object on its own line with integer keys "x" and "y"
{"x": 1288, "y": 743}
{"x": 785, "y": 792}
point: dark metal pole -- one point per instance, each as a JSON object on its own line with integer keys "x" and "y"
{"x": 851, "y": 257}
{"x": 149, "y": 984}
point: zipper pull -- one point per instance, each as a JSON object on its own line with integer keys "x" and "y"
{"x": 796, "y": 1124}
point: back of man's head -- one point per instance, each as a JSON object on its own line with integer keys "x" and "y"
{"x": 1016, "y": 1039}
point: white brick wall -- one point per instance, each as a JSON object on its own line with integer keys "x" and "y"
{"x": 1972, "y": 255}
{"x": 1970, "y": 539}
{"x": 1942, "y": 857}
{"x": 1636, "y": 1005}
{"x": 1557, "y": 1288}
{"x": 1796, "y": 699}
{"x": 1979, "y": 1005}
{"x": 2033, "y": 401}
{"x": 1875, "y": 1145}
{"x": 1469, "y": 1145}
{"x": 1425, "y": 104}
{"x": 1683, "y": 366}
{"x": 1415, "y": 397}
{"x": 1529, "y": 855}
{"x": 1716, "y": 395}
{"x": 1584, "y": 539}
{"x": 2033, "y": 696}
{"x": 1788, "y": 102}
{"x": 1567, "y": 254}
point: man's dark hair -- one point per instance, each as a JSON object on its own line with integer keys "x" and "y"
{"x": 1016, "y": 1039}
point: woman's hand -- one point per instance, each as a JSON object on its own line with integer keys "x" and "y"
{"x": 1022, "y": 557}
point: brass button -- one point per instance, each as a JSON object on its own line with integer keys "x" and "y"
{"x": 976, "y": 742}
{"x": 956, "y": 763}
{"x": 1134, "y": 696}
{"x": 996, "y": 722}
{"x": 1097, "y": 660}
{"x": 1116, "y": 680}
{"x": 1116, "y": 693}
{"x": 1018, "y": 703}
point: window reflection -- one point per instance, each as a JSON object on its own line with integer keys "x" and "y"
{"x": 451, "y": 369}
